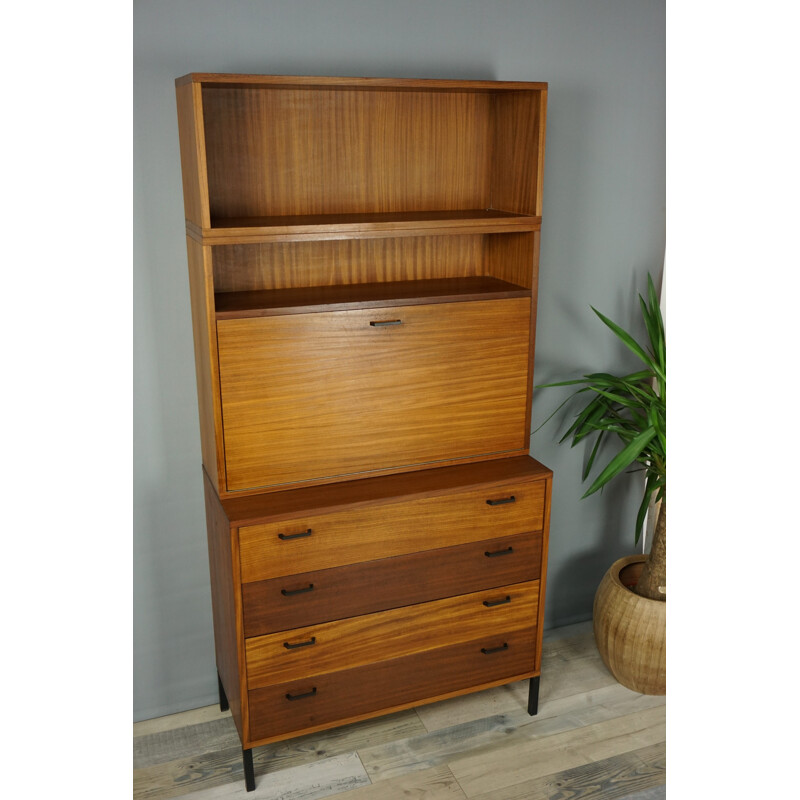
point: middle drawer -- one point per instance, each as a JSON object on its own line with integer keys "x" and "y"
{"x": 346, "y": 643}
{"x": 308, "y": 598}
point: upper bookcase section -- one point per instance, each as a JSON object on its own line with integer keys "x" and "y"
{"x": 278, "y": 158}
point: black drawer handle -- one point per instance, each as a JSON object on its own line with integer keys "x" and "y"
{"x": 293, "y": 592}
{"x": 499, "y": 552}
{"x": 382, "y": 323}
{"x": 301, "y": 696}
{"x": 286, "y": 536}
{"x": 491, "y": 650}
{"x": 492, "y": 603}
{"x": 291, "y": 646}
{"x": 502, "y": 502}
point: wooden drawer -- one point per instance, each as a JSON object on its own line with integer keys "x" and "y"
{"x": 347, "y": 643}
{"x": 307, "y": 397}
{"x": 324, "y": 700}
{"x": 366, "y": 533}
{"x": 309, "y": 598}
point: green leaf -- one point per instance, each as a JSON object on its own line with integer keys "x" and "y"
{"x": 630, "y": 343}
{"x": 622, "y": 460}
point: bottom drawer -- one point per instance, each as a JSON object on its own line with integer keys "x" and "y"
{"x": 337, "y": 697}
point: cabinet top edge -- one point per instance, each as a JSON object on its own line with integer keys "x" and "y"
{"x": 330, "y": 82}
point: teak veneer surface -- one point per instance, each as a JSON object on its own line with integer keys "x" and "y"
{"x": 343, "y": 262}
{"x": 309, "y": 598}
{"x": 390, "y": 683}
{"x": 363, "y": 258}
{"x": 226, "y": 604}
{"x": 370, "y": 532}
{"x": 231, "y": 305}
{"x": 293, "y": 503}
{"x": 345, "y": 643}
{"x": 318, "y": 396}
{"x": 353, "y": 82}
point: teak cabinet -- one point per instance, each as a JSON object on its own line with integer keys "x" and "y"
{"x": 363, "y": 262}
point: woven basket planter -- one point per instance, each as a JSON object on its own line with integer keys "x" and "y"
{"x": 630, "y": 630}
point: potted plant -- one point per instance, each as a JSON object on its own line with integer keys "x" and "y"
{"x": 630, "y": 604}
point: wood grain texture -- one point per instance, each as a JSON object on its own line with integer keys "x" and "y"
{"x": 355, "y": 83}
{"x": 226, "y": 604}
{"x": 193, "y": 154}
{"x": 315, "y": 299}
{"x": 388, "y": 683}
{"x": 343, "y": 644}
{"x": 206, "y": 361}
{"x": 510, "y": 257}
{"x": 516, "y": 162}
{"x": 437, "y": 783}
{"x": 324, "y": 595}
{"x": 312, "y": 396}
{"x": 491, "y": 476}
{"x": 325, "y": 227}
{"x": 545, "y": 553}
{"x": 290, "y": 265}
{"x": 486, "y": 774}
{"x": 374, "y": 531}
{"x": 619, "y": 777}
{"x": 311, "y": 151}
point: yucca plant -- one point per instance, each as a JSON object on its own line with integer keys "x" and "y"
{"x": 632, "y": 410}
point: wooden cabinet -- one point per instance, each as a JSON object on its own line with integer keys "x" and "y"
{"x": 363, "y": 263}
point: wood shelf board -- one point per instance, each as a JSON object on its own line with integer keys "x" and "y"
{"x": 303, "y": 300}
{"x": 261, "y": 508}
{"x": 210, "y": 80}
{"x": 241, "y": 230}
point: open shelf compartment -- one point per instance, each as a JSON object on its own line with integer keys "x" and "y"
{"x": 266, "y": 302}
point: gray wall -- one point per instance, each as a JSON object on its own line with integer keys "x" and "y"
{"x": 603, "y": 229}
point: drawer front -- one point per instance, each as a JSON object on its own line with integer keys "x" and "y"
{"x": 367, "y": 533}
{"x": 315, "y": 396}
{"x": 347, "y": 643}
{"x": 309, "y": 598}
{"x": 323, "y": 700}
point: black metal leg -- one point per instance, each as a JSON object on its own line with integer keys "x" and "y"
{"x": 223, "y": 698}
{"x": 249, "y": 774}
{"x": 533, "y": 696}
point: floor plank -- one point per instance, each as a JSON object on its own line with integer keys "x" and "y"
{"x": 501, "y": 731}
{"x": 497, "y": 767}
{"x": 183, "y": 719}
{"x": 436, "y": 783}
{"x": 161, "y": 773}
{"x": 187, "y": 741}
{"x": 627, "y": 776}
{"x": 321, "y": 778}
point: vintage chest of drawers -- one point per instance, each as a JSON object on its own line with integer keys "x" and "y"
{"x": 363, "y": 263}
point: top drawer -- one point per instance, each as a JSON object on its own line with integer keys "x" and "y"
{"x": 320, "y": 541}
{"x": 309, "y": 397}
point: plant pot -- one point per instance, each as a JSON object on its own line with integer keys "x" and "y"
{"x": 630, "y": 630}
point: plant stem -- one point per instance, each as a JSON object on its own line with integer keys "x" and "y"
{"x": 653, "y": 580}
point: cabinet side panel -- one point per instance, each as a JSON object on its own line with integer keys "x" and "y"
{"x": 517, "y": 149}
{"x": 193, "y": 169}
{"x": 543, "y": 573}
{"x": 206, "y": 362}
{"x": 224, "y": 596}
{"x": 510, "y": 257}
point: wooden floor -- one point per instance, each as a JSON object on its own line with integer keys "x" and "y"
{"x": 592, "y": 738}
